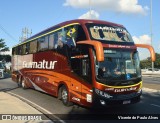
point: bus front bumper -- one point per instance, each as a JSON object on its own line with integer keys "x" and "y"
{"x": 116, "y": 99}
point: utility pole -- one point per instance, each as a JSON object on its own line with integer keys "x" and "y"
{"x": 151, "y": 29}
{"x": 90, "y": 14}
{"x": 25, "y": 34}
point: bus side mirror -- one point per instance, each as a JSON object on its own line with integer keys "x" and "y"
{"x": 150, "y": 48}
{"x": 98, "y": 48}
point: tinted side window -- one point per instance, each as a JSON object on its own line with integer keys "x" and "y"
{"x": 81, "y": 34}
{"x": 43, "y": 43}
{"x": 51, "y": 41}
{"x": 24, "y": 49}
{"x": 27, "y": 47}
{"x": 71, "y": 34}
{"x": 14, "y": 51}
{"x": 33, "y": 47}
{"x": 19, "y": 50}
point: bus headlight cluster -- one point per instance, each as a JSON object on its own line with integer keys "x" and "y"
{"x": 103, "y": 94}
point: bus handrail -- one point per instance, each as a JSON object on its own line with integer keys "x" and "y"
{"x": 98, "y": 47}
{"x": 150, "y": 48}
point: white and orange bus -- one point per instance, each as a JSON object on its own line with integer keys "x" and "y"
{"x": 87, "y": 62}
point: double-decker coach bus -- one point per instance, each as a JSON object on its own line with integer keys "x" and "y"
{"x": 87, "y": 62}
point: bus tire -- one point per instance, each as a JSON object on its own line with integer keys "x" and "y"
{"x": 59, "y": 92}
{"x": 19, "y": 81}
{"x": 23, "y": 84}
{"x": 65, "y": 96}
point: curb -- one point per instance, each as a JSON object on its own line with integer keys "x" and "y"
{"x": 52, "y": 118}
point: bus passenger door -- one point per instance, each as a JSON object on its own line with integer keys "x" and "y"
{"x": 87, "y": 82}
{"x": 81, "y": 82}
{"x": 75, "y": 86}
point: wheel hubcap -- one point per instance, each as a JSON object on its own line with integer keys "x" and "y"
{"x": 23, "y": 85}
{"x": 64, "y": 95}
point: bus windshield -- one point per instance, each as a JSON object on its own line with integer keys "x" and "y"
{"x": 118, "y": 66}
{"x": 104, "y": 32}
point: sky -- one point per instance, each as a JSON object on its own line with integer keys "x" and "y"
{"x": 38, "y": 15}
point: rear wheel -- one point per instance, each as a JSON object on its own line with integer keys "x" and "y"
{"x": 65, "y": 96}
{"x": 19, "y": 81}
{"x": 23, "y": 84}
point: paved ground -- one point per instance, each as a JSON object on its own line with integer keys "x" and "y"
{"x": 151, "y": 86}
{"x": 12, "y": 105}
{"x": 152, "y": 82}
{"x": 15, "y": 110}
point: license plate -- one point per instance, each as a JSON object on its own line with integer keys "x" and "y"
{"x": 126, "y": 102}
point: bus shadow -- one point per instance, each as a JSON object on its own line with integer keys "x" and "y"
{"x": 112, "y": 113}
{"x": 8, "y": 89}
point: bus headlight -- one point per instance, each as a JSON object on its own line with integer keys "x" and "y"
{"x": 103, "y": 94}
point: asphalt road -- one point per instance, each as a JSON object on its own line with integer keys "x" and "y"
{"x": 51, "y": 106}
{"x": 151, "y": 82}
{"x": 150, "y": 79}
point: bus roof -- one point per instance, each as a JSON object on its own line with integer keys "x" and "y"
{"x": 83, "y": 21}
{"x": 78, "y": 21}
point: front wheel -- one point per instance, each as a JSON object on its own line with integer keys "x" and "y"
{"x": 65, "y": 96}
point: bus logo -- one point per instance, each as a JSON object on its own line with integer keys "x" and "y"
{"x": 125, "y": 89}
{"x": 42, "y": 64}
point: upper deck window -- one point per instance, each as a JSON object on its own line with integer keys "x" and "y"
{"x": 104, "y": 32}
{"x": 43, "y": 43}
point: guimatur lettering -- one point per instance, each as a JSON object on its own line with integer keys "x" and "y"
{"x": 42, "y": 64}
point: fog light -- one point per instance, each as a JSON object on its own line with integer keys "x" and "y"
{"x": 139, "y": 91}
{"x": 102, "y": 102}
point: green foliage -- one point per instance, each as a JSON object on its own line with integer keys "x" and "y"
{"x": 3, "y": 46}
{"x": 6, "y": 58}
{"x": 147, "y": 62}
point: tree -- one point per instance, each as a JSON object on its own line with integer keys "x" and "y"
{"x": 157, "y": 62}
{"x": 6, "y": 58}
{"x": 3, "y": 46}
{"x": 147, "y": 62}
